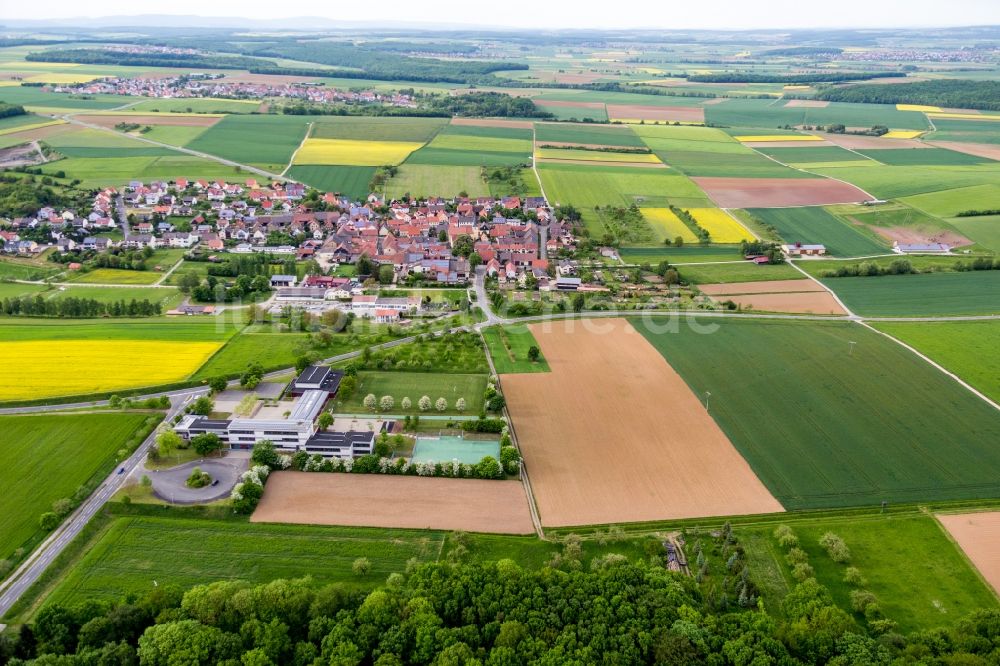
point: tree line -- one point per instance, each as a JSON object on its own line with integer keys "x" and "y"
{"x": 70, "y": 306}
{"x": 955, "y": 93}
{"x": 811, "y": 77}
{"x": 182, "y": 60}
{"x": 499, "y": 613}
{"x": 11, "y": 110}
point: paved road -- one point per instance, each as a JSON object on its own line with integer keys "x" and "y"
{"x": 171, "y": 484}
{"x": 32, "y": 568}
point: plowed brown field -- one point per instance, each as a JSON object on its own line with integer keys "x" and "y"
{"x": 110, "y": 120}
{"x": 613, "y": 434}
{"x": 778, "y": 192}
{"x": 318, "y": 498}
{"x": 691, "y": 114}
{"x": 978, "y": 534}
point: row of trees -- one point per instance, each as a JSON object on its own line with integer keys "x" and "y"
{"x": 71, "y": 306}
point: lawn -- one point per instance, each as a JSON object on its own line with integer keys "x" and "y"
{"x": 967, "y": 348}
{"x": 816, "y": 225}
{"x": 924, "y": 295}
{"x": 826, "y": 423}
{"x": 48, "y": 457}
{"x": 134, "y": 554}
{"x": 423, "y": 180}
{"x": 413, "y": 385}
{"x": 116, "y": 276}
{"x": 919, "y": 576}
{"x": 508, "y": 346}
{"x": 351, "y": 181}
{"x": 744, "y": 271}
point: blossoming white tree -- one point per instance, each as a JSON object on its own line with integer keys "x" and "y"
{"x": 441, "y": 404}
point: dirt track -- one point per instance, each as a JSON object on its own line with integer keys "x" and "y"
{"x": 778, "y": 192}
{"x": 978, "y": 534}
{"x": 613, "y": 434}
{"x": 317, "y": 498}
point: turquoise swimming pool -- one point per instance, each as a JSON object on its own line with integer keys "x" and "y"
{"x": 446, "y": 449}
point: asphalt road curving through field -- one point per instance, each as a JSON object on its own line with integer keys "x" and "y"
{"x": 170, "y": 484}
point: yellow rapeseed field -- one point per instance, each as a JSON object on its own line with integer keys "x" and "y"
{"x": 721, "y": 227}
{"x": 917, "y": 107}
{"x": 62, "y": 78}
{"x": 965, "y": 116}
{"x": 79, "y": 367}
{"x": 778, "y": 137}
{"x": 902, "y": 134}
{"x": 350, "y": 152}
{"x": 668, "y": 225}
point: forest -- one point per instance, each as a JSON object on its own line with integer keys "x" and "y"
{"x": 955, "y": 93}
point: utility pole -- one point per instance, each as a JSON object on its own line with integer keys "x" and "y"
{"x": 852, "y": 343}
{"x": 707, "y": 396}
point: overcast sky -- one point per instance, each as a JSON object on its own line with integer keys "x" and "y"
{"x": 726, "y": 14}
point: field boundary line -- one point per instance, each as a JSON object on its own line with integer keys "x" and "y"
{"x": 937, "y": 365}
{"x": 850, "y": 313}
{"x": 291, "y": 160}
{"x": 533, "y": 508}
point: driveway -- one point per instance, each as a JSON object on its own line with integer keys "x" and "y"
{"x": 169, "y": 484}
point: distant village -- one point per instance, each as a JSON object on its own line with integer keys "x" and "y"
{"x": 197, "y": 85}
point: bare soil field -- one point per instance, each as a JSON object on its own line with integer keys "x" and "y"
{"x": 773, "y": 287}
{"x": 807, "y": 104}
{"x": 153, "y": 119}
{"x": 268, "y": 79}
{"x": 691, "y": 114}
{"x": 493, "y": 122}
{"x": 613, "y": 434}
{"x": 778, "y": 192}
{"x": 987, "y": 150}
{"x": 26, "y": 154}
{"x": 805, "y": 302}
{"x": 978, "y": 535}
{"x": 858, "y": 142}
{"x": 921, "y": 235}
{"x": 374, "y": 500}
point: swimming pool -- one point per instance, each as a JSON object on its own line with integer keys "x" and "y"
{"x": 446, "y": 449}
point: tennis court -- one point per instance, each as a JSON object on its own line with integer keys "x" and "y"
{"x": 448, "y": 448}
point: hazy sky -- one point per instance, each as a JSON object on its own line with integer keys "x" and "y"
{"x": 728, "y": 14}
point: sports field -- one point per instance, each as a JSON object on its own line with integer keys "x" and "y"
{"x": 827, "y": 423}
{"x": 612, "y": 434}
{"x": 927, "y": 295}
{"x": 50, "y": 456}
{"x": 470, "y": 505}
{"x": 967, "y": 348}
{"x": 413, "y": 385}
{"x": 816, "y": 225}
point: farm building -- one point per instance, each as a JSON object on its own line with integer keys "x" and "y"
{"x": 804, "y": 250}
{"x": 921, "y": 248}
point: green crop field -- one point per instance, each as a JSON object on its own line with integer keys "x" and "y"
{"x": 199, "y": 105}
{"x": 971, "y": 131}
{"x": 526, "y": 184}
{"x": 743, "y": 271}
{"x": 892, "y": 182}
{"x": 351, "y": 181}
{"x": 919, "y": 262}
{"x": 36, "y": 98}
{"x": 17, "y": 290}
{"x": 589, "y": 186}
{"x": 167, "y": 298}
{"x": 182, "y": 329}
{"x": 267, "y": 141}
{"x": 599, "y": 114}
{"x": 421, "y": 180}
{"x": 605, "y": 135}
{"x": 764, "y": 113}
{"x": 967, "y": 348}
{"x": 113, "y": 171}
{"x": 364, "y": 128}
{"x": 48, "y": 457}
{"x": 947, "y": 203}
{"x": 806, "y": 155}
{"x": 924, "y": 295}
{"x": 728, "y": 165}
{"x": 24, "y": 270}
{"x": 983, "y": 229}
{"x": 175, "y": 135}
{"x": 413, "y": 385}
{"x": 816, "y": 225}
{"x": 133, "y": 552}
{"x": 823, "y": 425}
{"x": 919, "y": 576}
{"x": 508, "y": 346}
{"x": 923, "y": 156}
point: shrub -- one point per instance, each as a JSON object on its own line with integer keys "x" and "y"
{"x": 198, "y": 479}
{"x": 852, "y": 576}
{"x": 361, "y": 566}
{"x": 796, "y": 556}
{"x": 785, "y": 536}
{"x": 48, "y": 521}
{"x": 862, "y": 600}
{"x": 802, "y": 571}
{"x": 835, "y": 547}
